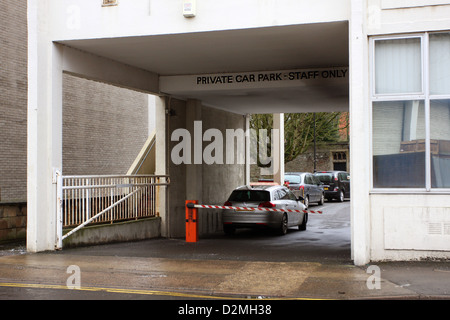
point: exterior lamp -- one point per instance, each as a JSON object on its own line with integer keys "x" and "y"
{"x": 189, "y": 8}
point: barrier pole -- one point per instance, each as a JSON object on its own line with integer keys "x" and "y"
{"x": 191, "y": 221}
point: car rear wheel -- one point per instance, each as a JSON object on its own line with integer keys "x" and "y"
{"x": 284, "y": 225}
{"x": 306, "y": 202}
{"x": 341, "y": 196}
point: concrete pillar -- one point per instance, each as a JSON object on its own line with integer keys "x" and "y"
{"x": 194, "y": 171}
{"x": 44, "y": 156}
{"x": 247, "y": 149}
{"x": 151, "y": 113}
{"x": 360, "y": 162}
{"x": 278, "y": 148}
{"x": 161, "y": 162}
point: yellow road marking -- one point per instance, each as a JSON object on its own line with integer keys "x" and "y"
{"x": 136, "y": 291}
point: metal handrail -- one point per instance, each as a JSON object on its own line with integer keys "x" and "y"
{"x": 105, "y": 199}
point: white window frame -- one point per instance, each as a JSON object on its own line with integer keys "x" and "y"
{"x": 424, "y": 95}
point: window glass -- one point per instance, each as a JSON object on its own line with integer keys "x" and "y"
{"x": 292, "y": 178}
{"x": 285, "y": 194}
{"x": 249, "y": 195}
{"x": 440, "y": 63}
{"x": 325, "y": 177}
{"x": 398, "y": 66}
{"x": 440, "y": 143}
{"x": 308, "y": 179}
{"x": 276, "y": 195}
{"x": 315, "y": 180}
{"x": 291, "y": 195}
{"x": 398, "y": 144}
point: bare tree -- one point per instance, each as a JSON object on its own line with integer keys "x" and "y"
{"x": 299, "y": 130}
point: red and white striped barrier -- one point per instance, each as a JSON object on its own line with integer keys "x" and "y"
{"x": 206, "y": 206}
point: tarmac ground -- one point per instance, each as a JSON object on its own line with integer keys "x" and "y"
{"x": 302, "y": 265}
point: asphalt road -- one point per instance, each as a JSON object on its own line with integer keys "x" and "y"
{"x": 327, "y": 239}
{"x": 314, "y": 263}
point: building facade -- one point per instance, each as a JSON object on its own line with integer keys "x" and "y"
{"x": 384, "y": 61}
{"x": 95, "y": 116}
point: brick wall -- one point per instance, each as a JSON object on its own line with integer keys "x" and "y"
{"x": 305, "y": 162}
{"x": 104, "y": 127}
{"x": 13, "y": 221}
{"x": 13, "y": 100}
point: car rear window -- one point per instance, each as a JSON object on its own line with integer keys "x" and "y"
{"x": 292, "y": 178}
{"x": 249, "y": 195}
{"x": 325, "y": 177}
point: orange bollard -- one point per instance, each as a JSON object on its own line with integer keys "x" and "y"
{"x": 191, "y": 222}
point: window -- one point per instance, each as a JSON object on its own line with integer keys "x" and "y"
{"x": 282, "y": 194}
{"x": 292, "y": 178}
{"x": 249, "y": 195}
{"x": 325, "y": 177}
{"x": 411, "y": 111}
{"x": 398, "y": 66}
{"x": 308, "y": 179}
{"x": 291, "y": 195}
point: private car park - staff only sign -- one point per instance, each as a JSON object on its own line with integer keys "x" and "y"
{"x": 271, "y": 76}
{"x": 254, "y": 80}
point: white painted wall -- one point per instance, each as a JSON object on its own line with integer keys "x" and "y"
{"x": 405, "y": 226}
{"x": 359, "y": 134}
{"x": 87, "y": 19}
{"x": 44, "y": 154}
{"x": 378, "y": 233}
{"x": 403, "y": 16}
{"x": 410, "y": 226}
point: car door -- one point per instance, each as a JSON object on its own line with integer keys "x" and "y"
{"x": 313, "y": 188}
{"x": 318, "y": 188}
{"x": 297, "y": 217}
{"x": 345, "y": 180}
{"x": 308, "y": 191}
{"x": 286, "y": 203}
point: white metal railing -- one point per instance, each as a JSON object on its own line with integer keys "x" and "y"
{"x": 105, "y": 199}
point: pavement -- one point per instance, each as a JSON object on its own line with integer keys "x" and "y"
{"x": 248, "y": 265}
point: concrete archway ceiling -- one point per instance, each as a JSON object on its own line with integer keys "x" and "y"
{"x": 318, "y": 45}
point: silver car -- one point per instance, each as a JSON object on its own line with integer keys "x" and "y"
{"x": 265, "y": 196}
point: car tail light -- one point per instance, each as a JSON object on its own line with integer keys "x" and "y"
{"x": 302, "y": 189}
{"x": 228, "y": 204}
{"x": 335, "y": 179}
{"x": 267, "y": 204}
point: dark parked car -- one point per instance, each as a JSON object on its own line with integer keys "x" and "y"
{"x": 306, "y": 185}
{"x": 336, "y": 184}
